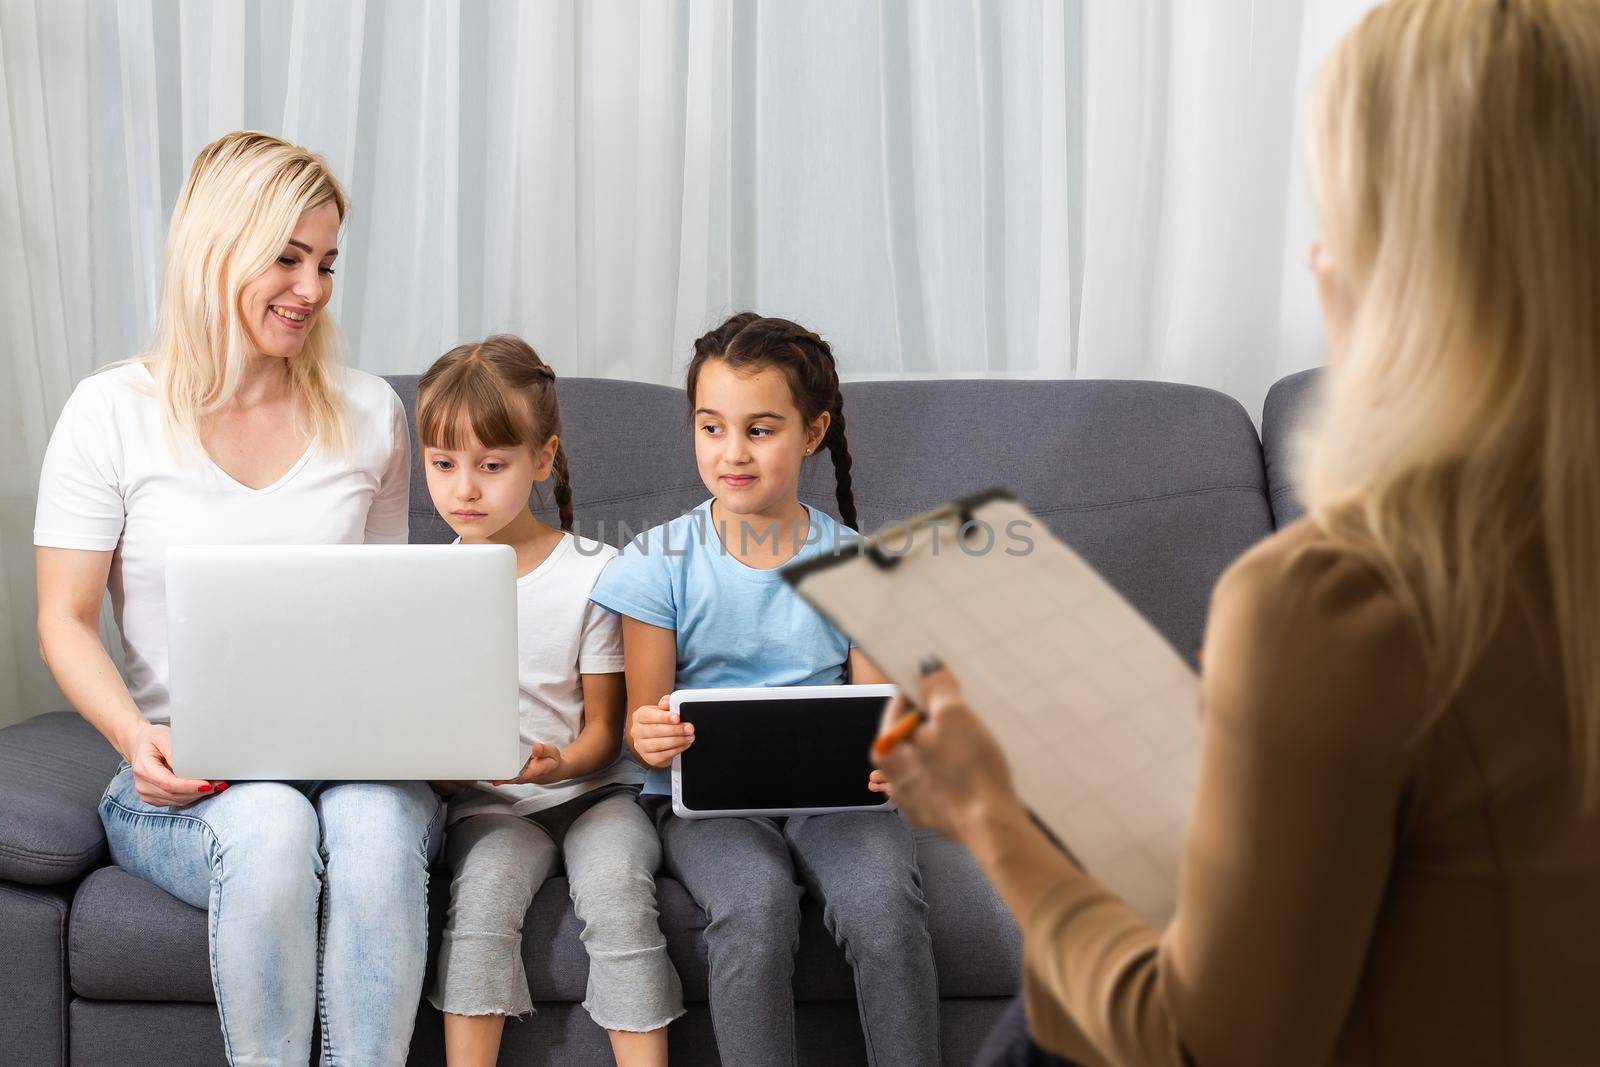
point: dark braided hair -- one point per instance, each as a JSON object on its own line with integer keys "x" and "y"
{"x": 748, "y": 341}
{"x": 500, "y": 392}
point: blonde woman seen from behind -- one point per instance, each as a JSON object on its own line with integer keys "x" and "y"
{"x": 1394, "y": 856}
{"x": 239, "y": 426}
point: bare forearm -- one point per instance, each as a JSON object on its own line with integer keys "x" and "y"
{"x": 863, "y": 671}
{"x": 651, "y": 659}
{"x": 1020, "y": 861}
{"x": 78, "y": 661}
{"x": 595, "y": 748}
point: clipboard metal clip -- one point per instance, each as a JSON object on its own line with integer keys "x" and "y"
{"x": 876, "y": 547}
{"x": 957, "y": 511}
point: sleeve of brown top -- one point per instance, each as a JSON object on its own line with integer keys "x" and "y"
{"x": 1312, "y": 690}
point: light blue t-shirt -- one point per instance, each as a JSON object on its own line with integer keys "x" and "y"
{"x": 735, "y": 625}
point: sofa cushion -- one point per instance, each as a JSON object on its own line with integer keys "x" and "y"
{"x": 976, "y": 946}
{"x": 158, "y": 1035}
{"x": 132, "y": 941}
{"x": 146, "y": 1035}
{"x": 53, "y": 772}
{"x": 1286, "y": 404}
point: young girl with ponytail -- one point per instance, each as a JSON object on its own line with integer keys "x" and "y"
{"x": 490, "y": 431}
{"x": 704, "y": 606}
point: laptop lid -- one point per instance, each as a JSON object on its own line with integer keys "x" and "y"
{"x": 343, "y": 661}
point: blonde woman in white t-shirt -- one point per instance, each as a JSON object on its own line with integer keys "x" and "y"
{"x": 239, "y": 425}
{"x": 490, "y": 432}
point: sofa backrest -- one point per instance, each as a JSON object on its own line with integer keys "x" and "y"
{"x": 1159, "y": 486}
{"x": 1287, "y": 402}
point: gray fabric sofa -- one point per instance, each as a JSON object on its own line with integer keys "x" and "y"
{"x": 1160, "y": 486}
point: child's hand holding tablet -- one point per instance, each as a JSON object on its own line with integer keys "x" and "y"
{"x": 657, "y": 735}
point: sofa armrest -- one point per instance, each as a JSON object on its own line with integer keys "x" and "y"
{"x": 33, "y": 975}
{"x": 1285, "y": 406}
{"x": 53, "y": 772}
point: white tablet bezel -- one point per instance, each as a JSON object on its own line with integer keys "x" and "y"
{"x": 794, "y": 692}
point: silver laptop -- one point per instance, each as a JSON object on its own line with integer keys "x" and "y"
{"x": 343, "y": 661}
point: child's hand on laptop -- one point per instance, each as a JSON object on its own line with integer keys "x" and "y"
{"x": 150, "y": 757}
{"x": 542, "y": 768}
{"x": 658, "y": 736}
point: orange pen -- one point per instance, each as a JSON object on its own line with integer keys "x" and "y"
{"x": 910, "y": 720}
{"x": 897, "y": 733}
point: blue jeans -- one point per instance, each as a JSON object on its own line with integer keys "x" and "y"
{"x": 317, "y": 899}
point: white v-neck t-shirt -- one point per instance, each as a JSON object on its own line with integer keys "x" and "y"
{"x": 561, "y": 636}
{"x": 110, "y": 484}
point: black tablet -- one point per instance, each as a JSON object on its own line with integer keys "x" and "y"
{"x": 801, "y": 750}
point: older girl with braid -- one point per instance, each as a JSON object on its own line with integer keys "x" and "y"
{"x": 703, "y": 605}
{"x": 490, "y": 432}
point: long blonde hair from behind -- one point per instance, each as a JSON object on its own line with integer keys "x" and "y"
{"x": 1455, "y": 158}
{"x": 243, "y": 198}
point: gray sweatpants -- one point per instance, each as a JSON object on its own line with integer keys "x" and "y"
{"x": 499, "y": 861}
{"x": 748, "y": 875}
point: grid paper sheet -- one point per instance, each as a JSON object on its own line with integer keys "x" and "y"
{"x": 1097, "y": 714}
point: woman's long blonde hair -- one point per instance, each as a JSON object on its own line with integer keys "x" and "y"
{"x": 1455, "y": 157}
{"x": 244, "y": 196}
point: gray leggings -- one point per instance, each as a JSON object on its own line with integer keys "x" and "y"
{"x": 498, "y": 863}
{"x": 862, "y": 868}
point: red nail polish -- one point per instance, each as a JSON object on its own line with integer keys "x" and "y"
{"x": 221, "y": 786}
{"x": 205, "y": 789}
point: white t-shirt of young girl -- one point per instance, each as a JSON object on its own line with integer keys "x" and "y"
{"x": 561, "y": 636}
{"x": 110, "y": 483}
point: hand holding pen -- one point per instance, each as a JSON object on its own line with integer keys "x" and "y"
{"x": 902, "y": 716}
{"x": 900, "y": 720}
{"x": 943, "y": 767}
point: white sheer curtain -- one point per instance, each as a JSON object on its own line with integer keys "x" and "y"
{"x": 1049, "y": 188}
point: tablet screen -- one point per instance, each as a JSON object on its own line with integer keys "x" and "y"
{"x": 803, "y": 752}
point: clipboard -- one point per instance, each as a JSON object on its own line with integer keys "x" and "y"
{"x": 1097, "y": 714}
